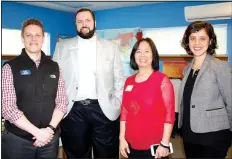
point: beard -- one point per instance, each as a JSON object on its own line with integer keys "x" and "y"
{"x": 86, "y": 35}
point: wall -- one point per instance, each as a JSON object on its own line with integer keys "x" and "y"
{"x": 168, "y": 14}
{"x": 164, "y": 14}
{"x": 55, "y": 22}
{"x": 229, "y": 41}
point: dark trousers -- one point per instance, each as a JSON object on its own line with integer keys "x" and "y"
{"x": 141, "y": 154}
{"x": 15, "y": 147}
{"x": 175, "y": 127}
{"x": 200, "y": 151}
{"x": 86, "y": 127}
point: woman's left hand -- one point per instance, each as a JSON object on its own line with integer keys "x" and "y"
{"x": 161, "y": 152}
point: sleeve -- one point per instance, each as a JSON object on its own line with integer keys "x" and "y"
{"x": 56, "y": 55}
{"x": 169, "y": 100}
{"x": 10, "y": 109}
{"x": 119, "y": 78}
{"x": 124, "y": 110}
{"x": 224, "y": 80}
{"x": 61, "y": 96}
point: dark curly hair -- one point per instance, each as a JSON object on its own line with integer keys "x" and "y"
{"x": 195, "y": 27}
{"x": 155, "y": 55}
{"x": 85, "y": 10}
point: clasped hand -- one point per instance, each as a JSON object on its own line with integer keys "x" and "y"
{"x": 161, "y": 152}
{"x": 43, "y": 137}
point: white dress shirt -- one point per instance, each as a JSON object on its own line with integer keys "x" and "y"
{"x": 87, "y": 69}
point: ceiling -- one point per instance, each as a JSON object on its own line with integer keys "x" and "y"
{"x": 73, "y": 6}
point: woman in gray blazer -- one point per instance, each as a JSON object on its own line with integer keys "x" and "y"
{"x": 205, "y": 116}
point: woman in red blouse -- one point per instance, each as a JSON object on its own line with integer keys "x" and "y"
{"x": 147, "y": 113}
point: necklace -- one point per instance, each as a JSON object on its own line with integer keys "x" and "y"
{"x": 196, "y": 67}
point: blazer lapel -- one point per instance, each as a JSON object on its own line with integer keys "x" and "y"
{"x": 73, "y": 50}
{"x": 186, "y": 74}
{"x": 202, "y": 69}
{"x": 98, "y": 54}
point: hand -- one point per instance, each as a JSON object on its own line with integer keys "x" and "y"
{"x": 50, "y": 130}
{"x": 43, "y": 137}
{"x": 37, "y": 143}
{"x": 161, "y": 152}
{"x": 124, "y": 147}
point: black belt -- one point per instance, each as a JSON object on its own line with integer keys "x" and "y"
{"x": 87, "y": 102}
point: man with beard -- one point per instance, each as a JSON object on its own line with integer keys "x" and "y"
{"x": 94, "y": 78}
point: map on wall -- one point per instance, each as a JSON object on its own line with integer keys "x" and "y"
{"x": 125, "y": 38}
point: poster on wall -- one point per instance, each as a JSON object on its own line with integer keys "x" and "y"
{"x": 125, "y": 39}
{"x": 174, "y": 69}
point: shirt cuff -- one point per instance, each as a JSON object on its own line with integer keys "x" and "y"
{"x": 62, "y": 108}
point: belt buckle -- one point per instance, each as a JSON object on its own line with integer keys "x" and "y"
{"x": 85, "y": 102}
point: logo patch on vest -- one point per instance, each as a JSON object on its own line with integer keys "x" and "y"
{"x": 25, "y": 72}
{"x": 53, "y": 76}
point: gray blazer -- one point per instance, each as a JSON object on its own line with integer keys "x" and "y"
{"x": 211, "y": 100}
{"x": 109, "y": 73}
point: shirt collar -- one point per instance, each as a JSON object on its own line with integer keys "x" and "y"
{"x": 92, "y": 39}
{"x": 42, "y": 57}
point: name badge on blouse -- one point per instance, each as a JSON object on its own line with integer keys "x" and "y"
{"x": 129, "y": 88}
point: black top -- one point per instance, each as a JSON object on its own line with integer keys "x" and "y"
{"x": 210, "y": 138}
{"x": 36, "y": 90}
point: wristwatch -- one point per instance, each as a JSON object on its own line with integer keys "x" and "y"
{"x": 51, "y": 127}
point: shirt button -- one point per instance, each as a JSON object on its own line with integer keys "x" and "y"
{"x": 193, "y": 106}
{"x": 76, "y": 87}
{"x": 73, "y": 100}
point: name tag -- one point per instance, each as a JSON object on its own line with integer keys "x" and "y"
{"x": 129, "y": 88}
{"x": 25, "y": 72}
{"x": 53, "y": 76}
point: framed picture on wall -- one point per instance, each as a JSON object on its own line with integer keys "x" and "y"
{"x": 174, "y": 69}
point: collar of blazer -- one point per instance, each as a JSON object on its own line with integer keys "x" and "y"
{"x": 74, "y": 44}
{"x": 204, "y": 65}
{"x": 187, "y": 70}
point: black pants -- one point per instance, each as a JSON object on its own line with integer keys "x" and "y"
{"x": 86, "y": 127}
{"x": 15, "y": 147}
{"x": 200, "y": 151}
{"x": 175, "y": 127}
{"x": 141, "y": 153}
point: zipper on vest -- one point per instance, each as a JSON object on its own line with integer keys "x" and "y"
{"x": 38, "y": 93}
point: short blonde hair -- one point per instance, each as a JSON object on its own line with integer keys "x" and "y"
{"x": 31, "y": 21}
